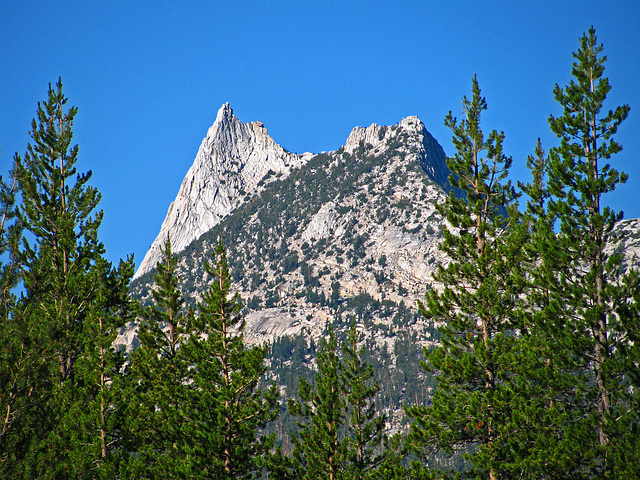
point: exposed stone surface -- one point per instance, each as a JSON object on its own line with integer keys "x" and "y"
{"x": 323, "y": 223}
{"x": 628, "y": 231}
{"x": 233, "y": 158}
{"x": 362, "y": 217}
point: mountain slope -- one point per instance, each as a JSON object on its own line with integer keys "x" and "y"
{"x": 232, "y": 159}
{"x": 312, "y": 241}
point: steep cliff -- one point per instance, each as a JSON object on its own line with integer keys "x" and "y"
{"x": 232, "y": 159}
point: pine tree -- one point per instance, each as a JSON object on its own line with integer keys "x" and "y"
{"x": 340, "y": 432}
{"x": 479, "y": 404}
{"x": 319, "y": 451}
{"x": 59, "y": 259}
{"x": 364, "y": 426}
{"x": 158, "y": 379}
{"x": 227, "y": 408}
{"x": 558, "y": 455}
{"x": 592, "y": 304}
{"x": 18, "y": 362}
{"x": 99, "y": 440}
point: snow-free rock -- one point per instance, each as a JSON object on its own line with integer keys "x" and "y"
{"x": 232, "y": 160}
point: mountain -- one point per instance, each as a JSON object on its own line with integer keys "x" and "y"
{"x": 314, "y": 240}
{"x": 232, "y": 159}
{"x": 310, "y": 236}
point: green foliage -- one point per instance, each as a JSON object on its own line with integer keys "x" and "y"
{"x": 19, "y": 360}
{"x": 588, "y": 308}
{"x": 319, "y": 451}
{"x": 364, "y": 425}
{"x": 481, "y": 360}
{"x": 536, "y": 372}
{"x": 228, "y": 408}
{"x": 62, "y": 418}
{"x": 158, "y": 374}
{"x": 339, "y": 430}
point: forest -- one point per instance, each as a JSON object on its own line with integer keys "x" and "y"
{"x": 535, "y": 375}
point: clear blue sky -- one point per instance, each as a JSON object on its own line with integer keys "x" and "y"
{"x": 149, "y": 76}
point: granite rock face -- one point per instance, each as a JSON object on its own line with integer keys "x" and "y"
{"x": 232, "y": 160}
{"x": 361, "y": 219}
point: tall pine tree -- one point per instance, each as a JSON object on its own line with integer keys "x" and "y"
{"x": 480, "y": 407}
{"x": 340, "y": 432}
{"x": 60, "y": 257}
{"x": 19, "y": 361}
{"x": 99, "y": 442}
{"x": 228, "y": 409}
{"x": 593, "y": 303}
{"x": 364, "y": 425}
{"x": 319, "y": 451}
{"x": 158, "y": 379}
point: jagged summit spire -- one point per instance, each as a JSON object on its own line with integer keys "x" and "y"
{"x": 224, "y": 113}
{"x": 235, "y": 156}
{"x": 232, "y": 159}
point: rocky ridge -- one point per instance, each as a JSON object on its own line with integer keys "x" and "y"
{"x": 318, "y": 240}
{"x": 342, "y": 235}
{"x": 358, "y": 222}
{"x": 230, "y": 162}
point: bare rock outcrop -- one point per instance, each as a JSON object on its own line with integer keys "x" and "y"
{"x": 232, "y": 160}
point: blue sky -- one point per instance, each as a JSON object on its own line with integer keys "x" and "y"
{"x": 148, "y": 78}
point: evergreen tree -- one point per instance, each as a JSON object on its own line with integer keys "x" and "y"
{"x": 158, "y": 379}
{"x": 227, "y": 408}
{"x": 99, "y": 440}
{"x": 340, "y": 432}
{"x": 482, "y": 366}
{"x": 558, "y": 455}
{"x": 60, "y": 258}
{"x": 18, "y": 362}
{"x": 364, "y": 426}
{"x": 592, "y": 305}
{"x": 319, "y": 451}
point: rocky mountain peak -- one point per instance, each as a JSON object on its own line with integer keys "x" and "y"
{"x": 232, "y": 160}
{"x": 321, "y": 233}
{"x": 377, "y": 136}
{"x": 412, "y": 136}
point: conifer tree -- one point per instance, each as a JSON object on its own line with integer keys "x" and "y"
{"x": 364, "y": 426}
{"x": 18, "y": 362}
{"x": 99, "y": 442}
{"x": 477, "y": 407}
{"x": 558, "y": 455}
{"x": 227, "y": 407}
{"x": 158, "y": 378}
{"x": 59, "y": 259}
{"x": 319, "y": 451}
{"x": 592, "y": 305}
{"x": 340, "y": 430}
